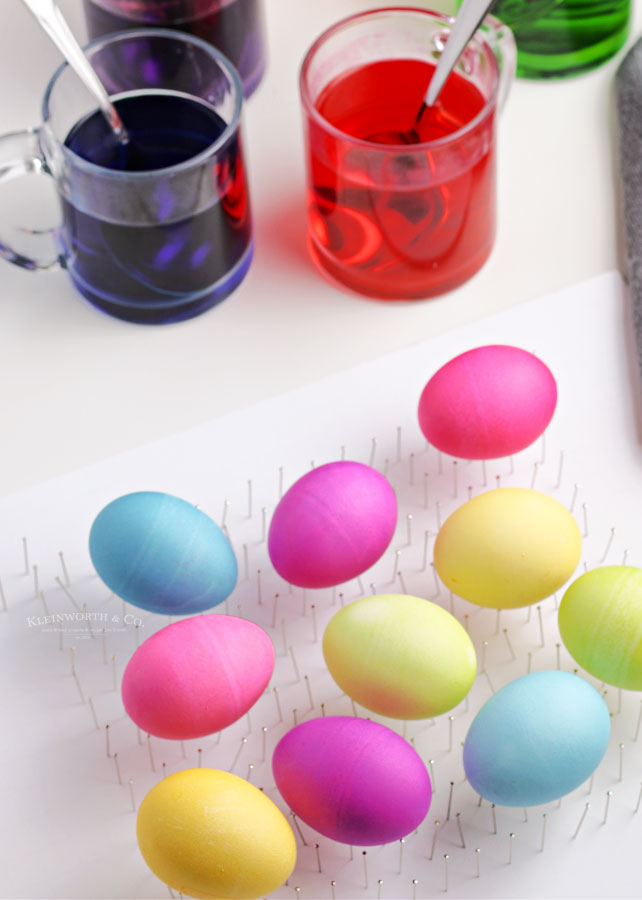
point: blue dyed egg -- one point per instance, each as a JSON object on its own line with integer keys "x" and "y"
{"x": 162, "y": 554}
{"x": 536, "y": 739}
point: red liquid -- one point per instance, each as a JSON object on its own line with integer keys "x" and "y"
{"x": 409, "y": 223}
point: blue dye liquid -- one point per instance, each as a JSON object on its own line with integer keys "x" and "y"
{"x": 159, "y": 269}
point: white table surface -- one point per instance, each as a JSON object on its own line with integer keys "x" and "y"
{"x": 77, "y": 386}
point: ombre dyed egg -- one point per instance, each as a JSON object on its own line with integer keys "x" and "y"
{"x": 332, "y": 524}
{"x": 507, "y": 548}
{"x": 197, "y": 676}
{"x": 211, "y": 835}
{"x": 488, "y": 402}
{"x": 162, "y": 554}
{"x": 600, "y": 621}
{"x": 536, "y": 739}
{"x": 400, "y": 656}
{"x": 352, "y": 780}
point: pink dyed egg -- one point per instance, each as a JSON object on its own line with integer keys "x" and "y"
{"x": 332, "y": 524}
{"x": 489, "y": 402}
{"x": 197, "y": 676}
{"x": 352, "y": 780}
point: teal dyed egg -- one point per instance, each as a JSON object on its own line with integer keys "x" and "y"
{"x": 162, "y": 554}
{"x": 538, "y": 738}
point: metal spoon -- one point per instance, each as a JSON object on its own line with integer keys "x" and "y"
{"x": 469, "y": 18}
{"x": 53, "y": 22}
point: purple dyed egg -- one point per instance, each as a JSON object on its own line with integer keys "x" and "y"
{"x": 352, "y": 780}
{"x": 332, "y": 524}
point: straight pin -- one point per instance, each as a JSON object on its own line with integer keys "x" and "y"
{"x": 107, "y": 741}
{"x": 36, "y": 585}
{"x": 298, "y": 828}
{"x": 365, "y": 869}
{"x": 541, "y": 849}
{"x": 249, "y": 498}
{"x": 608, "y": 545}
{"x": 150, "y": 752}
{"x": 606, "y": 807}
{"x": 431, "y": 763}
{"x": 316, "y": 850}
{"x": 63, "y": 566}
{"x": 438, "y": 513}
{"x": 541, "y": 626}
{"x": 498, "y": 481}
{"x": 238, "y": 753}
{"x": 103, "y": 641}
{"x": 587, "y": 806}
{"x": 530, "y": 660}
{"x": 93, "y": 713}
{"x": 436, "y": 580}
{"x": 509, "y": 645}
{"x": 409, "y": 529}
{"x": 483, "y": 657}
{"x": 117, "y": 766}
{"x": 542, "y": 458}
{"x": 250, "y": 769}
{"x": 280, "y": 482}
{"x": 621, "y": 749}
{"x": 309, "y": 689}
{"x": 258, "y": 587}
{"x": 424, "y": 563}
{"x": 398, "y": 443}
{"x": 411, "y": 469}
{"x": 278, "y": 703}
{"x": 461, "y": 833}
{"x": 246, "y": 563}
{"x": 585, "y": 520}
{"x": 294, "y": 664}
{"x": 25, "y": 554}
{"x": 263, "y": 742}
{"x": 637, "y": 727}
{"x": 574, "y": 497}
{"x": 535, "y": 471}
{"x": 131, "y": 794}
{"x": 373, "y": 451}
{"x": 557, "y": 656}
{"x": 426, "y": 476}
{"x": 401, "y": 846}
{"x": 637, "y": 805}
{"x": 492, "y": 810}
{"x": 402, "y": 583}
{"x": 559, "y": 471}
{"x": 450, "y": 799}
{"x": 497, "y": 618}
{"x": 415, "y": 882}
{"x": 77, "y": 680}
{"x": 199, "y": 758}
{"x": 274, "y": 608}
{"x": 313, "y": 613}
{"x": 450, "y": 733}
{"x": 226, "y": 504}
{"x": 511, "y": 838}
{"x": 446, "y": 858}
{"x": 484, "y": 474}
{"x": 477, "y": 852}
{"x": 395, "y": 566}
{"x": 263, "y": 524}
{"x": 454, "y": 478}
{"x": 490, "y": 683}
{"x": 183, "y": 754}
{"x": 625, "y": 556}
{"x": 113, "y": 673}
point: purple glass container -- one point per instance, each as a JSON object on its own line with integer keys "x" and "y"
{"x": 235, "y": 27}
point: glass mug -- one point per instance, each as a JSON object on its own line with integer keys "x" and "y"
{"x": 235, "y": 27}
{"x": 157, "y": 230}
{"x": 393, "y": 214}
{"x": 564, "y": 37}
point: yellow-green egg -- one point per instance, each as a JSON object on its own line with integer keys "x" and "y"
{"x": 600, "y": 621}
{"x": 507, "y": 548}
{"x": 211, "y": 835}
{"x": 400, "y": 656}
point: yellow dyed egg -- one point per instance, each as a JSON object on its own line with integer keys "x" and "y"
{"x": 400, "y": 656}
{"x": 213, "y": 836}
{"x": 507, "y": 548}
{"x": 600, "y": 621}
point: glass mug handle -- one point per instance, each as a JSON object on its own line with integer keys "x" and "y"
{"x": 21, "y": 154}
{"x": 500, "y": 39}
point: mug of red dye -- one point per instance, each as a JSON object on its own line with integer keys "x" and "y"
{"x": 398, "y": 211}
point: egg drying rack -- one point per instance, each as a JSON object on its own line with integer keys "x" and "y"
{"x": 74, "y": 803}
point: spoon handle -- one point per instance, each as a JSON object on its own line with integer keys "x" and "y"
{"x": 53, "y": 22}
{"x": 469, "y": 18}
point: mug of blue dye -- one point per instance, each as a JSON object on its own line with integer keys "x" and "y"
{"x": 157, "y": 230}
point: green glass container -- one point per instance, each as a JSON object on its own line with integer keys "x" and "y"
{"x": 556, "y": 38}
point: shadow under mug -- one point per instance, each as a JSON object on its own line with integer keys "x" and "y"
{"x": 391, "y": 218}
{"x": 156, "y": 245}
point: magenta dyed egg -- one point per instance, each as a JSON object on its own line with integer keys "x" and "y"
{"x": 352, "y": 780}
{"x": 197, "y": 676}
{"x": 489, "y": 402}
{"x": 332, "y": 524}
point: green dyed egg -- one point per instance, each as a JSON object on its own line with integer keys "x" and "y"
{"x": 600, "y": 621}
{"x": 400, "y": 656}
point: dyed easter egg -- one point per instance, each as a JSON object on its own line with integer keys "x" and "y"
{"x": 400, "y": 656}
{"x": 600, "y": 621}
{"x": 197, "y": 676}
{"x": 536, "y": 739}
{"x": 332, "y": 524}
{"x": 160, "y": 553}
{"x": 210, "y": 835}
{"x": 489, "y": 402}
{"x": 507, "y": 548}
{"x": 352, "y": 780}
